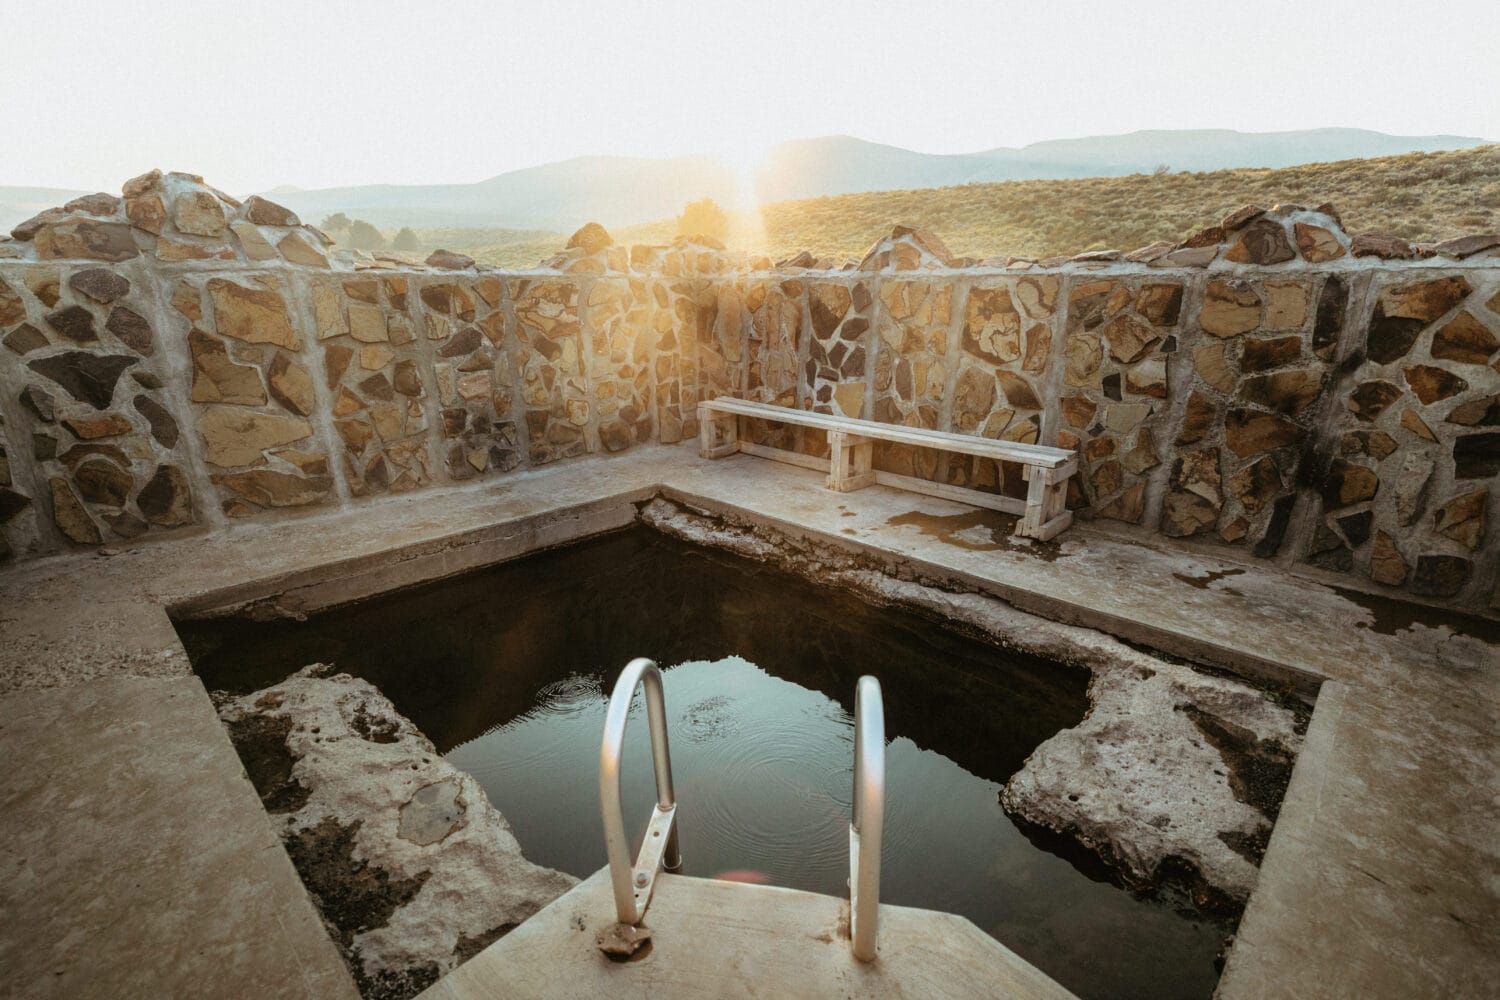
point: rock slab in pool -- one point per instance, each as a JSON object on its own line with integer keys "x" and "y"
{"x": 1173, "y": 775}
{"x": 412, "y": 868}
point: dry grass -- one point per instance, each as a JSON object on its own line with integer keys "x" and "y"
{"x": 1420, "y": 196}
{"x": 502, "y": 247}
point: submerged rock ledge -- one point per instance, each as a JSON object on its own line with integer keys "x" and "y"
{"x": 412, "y": 868}
{"x": 1174, "y": 776}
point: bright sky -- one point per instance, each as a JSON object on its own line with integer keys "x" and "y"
{"x": 327, "y": 93}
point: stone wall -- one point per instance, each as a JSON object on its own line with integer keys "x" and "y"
{"x": 1271, "y": 386}
{"x": 176, "y": 360}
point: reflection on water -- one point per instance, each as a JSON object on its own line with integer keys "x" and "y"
{"x": 762, "y": 769}
{"x": 508, "y": 672}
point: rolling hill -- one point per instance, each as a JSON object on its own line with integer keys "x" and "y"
{"x": 554, "y": 196}
{"x": 837, "y": 194}
{"x": 845, "y": 165}
{"x": 622, "y": 191}
{"x": 1421, "y": 196}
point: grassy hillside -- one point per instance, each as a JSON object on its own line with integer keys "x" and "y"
{"x": 1421, "y": 196}
{"x": 502, "y": 247}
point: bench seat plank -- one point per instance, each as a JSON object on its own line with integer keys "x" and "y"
{"x": 1041, "y": 456}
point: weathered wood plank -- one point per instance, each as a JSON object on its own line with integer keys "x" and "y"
{"x": 718, "y": 434}
{"x": 1054, "y": 527}
{"x": 782, "y": 455}
{"x": 992, "y": 501}
{"x": 1041, "y": 456}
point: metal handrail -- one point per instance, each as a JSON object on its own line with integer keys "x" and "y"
{"x": 633, "y": 883}
{"x": 868, "y": 821}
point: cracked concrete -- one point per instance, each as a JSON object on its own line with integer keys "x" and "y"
{"x": 1381, "y": 879}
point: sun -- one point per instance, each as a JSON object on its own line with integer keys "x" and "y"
{"x": 745, "y": 156}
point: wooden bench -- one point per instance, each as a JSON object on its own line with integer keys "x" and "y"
{"x": 850, "y": 464}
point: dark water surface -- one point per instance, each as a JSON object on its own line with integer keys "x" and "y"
{"x": 508, "y": 671}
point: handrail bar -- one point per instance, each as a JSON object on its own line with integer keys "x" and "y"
{"x": 633, "y": 883}
{"x": 867, "y": 823}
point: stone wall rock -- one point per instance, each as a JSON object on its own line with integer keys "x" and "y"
{"x": 1122, "y": 344}
{"x": 91, "y": 404}
{"x": 551, "y": 368}
{"x": 1424, "y": 372}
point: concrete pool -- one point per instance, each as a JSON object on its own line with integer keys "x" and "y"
{"x": 1401, "y": 704}
{"x": 507, "y": 670}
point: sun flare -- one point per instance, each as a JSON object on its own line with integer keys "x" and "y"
{"x": 745, "y": 157}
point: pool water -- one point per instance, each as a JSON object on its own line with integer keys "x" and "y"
{"x": 509, "y": 671}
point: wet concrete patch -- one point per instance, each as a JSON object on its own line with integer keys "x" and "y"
{"x": 260, "y": 741}
{"x": 977, "y": 531}
{"x": 1176, "y": 883}
{"x": 397, "y": 984}
{"x": 356, "y": 896}
{"x": 1259, "y": 770}
{"x": 353, "y": 894}
{"x": 469, "y": 946}
{"x": 432, "y": 813}
{"x": 1250, "y": 846}
{"x": 1209, "y": 578}
{"x": 374, "y": 729}
{"x": 1389, "y": 616}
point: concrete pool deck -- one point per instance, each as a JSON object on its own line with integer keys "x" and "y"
{"x": 138, "y": 860}
{"x": 922, "y": 953}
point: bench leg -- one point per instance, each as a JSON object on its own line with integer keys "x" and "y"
{"x": 1036, "y": 496}
{"x": 1046, "y": 506}
{"x": 718, "y": 434}
{"x": 851, "y": 462}
{"x": 1055, "y": 514}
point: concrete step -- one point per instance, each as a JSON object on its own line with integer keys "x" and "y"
{"x": 728, "y": 939}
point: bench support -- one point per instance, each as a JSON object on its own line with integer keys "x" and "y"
{"x": 1046, "y": 502}
{"x": 851, "y": 462}
{"x": 718, "y": 433}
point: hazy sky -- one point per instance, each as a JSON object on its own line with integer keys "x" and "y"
{"x": 320, "y": 93}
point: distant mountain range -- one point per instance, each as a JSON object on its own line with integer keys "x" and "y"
{"x": 844, "y": 165}
{"x": 620, "y": 191}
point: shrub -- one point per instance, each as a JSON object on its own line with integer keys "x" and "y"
{"x": 703, "y": 218}
{"x": 363, "y": 236}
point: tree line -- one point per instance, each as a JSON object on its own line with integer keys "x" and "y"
{"x": 361, "y": 235}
